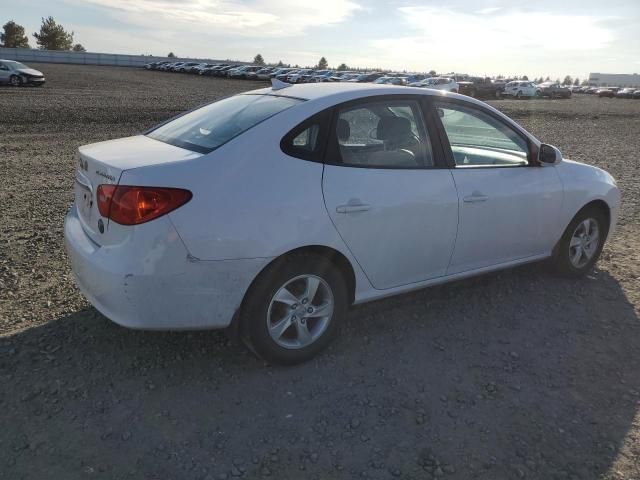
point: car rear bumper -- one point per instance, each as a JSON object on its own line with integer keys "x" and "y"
{"x": 152, "y": 283}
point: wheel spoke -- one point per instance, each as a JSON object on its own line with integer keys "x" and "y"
{"x": 576, "y": 256}
{"x": 575, "y": 242}
{"x": 312, "y": 287}
{"x": 279, "y": 328}
{"x": 588, "y": 252}
{"x": 285, "y": 296}
{"x": 304, "y": 335}
{"x": 321, "y": 310}
{"x": 586, "y": 225}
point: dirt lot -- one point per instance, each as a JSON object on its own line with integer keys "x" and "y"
{"x": 519, "y": 374}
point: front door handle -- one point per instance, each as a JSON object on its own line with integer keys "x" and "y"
{"x": 475, "y": 198}
{"x": 351, "y": 208}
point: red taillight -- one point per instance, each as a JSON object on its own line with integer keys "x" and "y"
{"x": 129, "y": 205}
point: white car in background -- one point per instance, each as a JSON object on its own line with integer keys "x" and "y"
{"x": 521, "y": 89}
{"x": 276, "y": 209}
{"x": 438, "y": 83}
{"x": 18, "y": 74}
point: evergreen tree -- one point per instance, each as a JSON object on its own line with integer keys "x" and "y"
{"x": 53, "y": 36}
{"x": 13, "y": 36}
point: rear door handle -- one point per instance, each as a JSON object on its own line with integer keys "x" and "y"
{"x": 362, "y": 207}
{"x": 475, "y": 198}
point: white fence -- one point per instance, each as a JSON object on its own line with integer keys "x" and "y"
{"x": 29, "y": 55}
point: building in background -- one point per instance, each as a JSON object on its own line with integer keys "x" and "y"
{"x": 615, "y": 79}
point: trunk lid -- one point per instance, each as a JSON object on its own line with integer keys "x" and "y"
{"x": 103, "y": 163}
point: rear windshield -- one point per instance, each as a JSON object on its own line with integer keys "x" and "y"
{"x": 206, "y": 128}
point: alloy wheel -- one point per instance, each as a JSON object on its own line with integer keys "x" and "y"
{"x": 584, "y": 243}
{"x": 300, "y": 311}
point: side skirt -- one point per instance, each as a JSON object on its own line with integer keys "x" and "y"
{"x": 373, "y": 294}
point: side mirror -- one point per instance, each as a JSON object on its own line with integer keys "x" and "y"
{"x": 549, "y": 155}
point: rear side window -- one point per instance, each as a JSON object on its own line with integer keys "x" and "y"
{"x": 307, "y": 141}
{"x": 207, "y": 128}
{"x": 382, "y": 134}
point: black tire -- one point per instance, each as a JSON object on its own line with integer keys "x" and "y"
{"x": 254, "y": 313}
{"x": 563, "y": 251}
{"x": 16, "y": 80}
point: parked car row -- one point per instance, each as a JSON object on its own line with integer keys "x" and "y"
{"x": 479, "y": 87}
{"x": 304, "y": 75}
{"x": 608, "y": 92}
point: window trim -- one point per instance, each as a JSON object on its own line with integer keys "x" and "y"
{"x": 532, "y": 152}
{"x": 332, "y": 150}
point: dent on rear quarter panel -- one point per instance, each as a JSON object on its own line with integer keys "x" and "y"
{"x": 250, "y": 200}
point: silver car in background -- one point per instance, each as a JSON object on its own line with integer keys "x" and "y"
{"x": 18, "y": 74}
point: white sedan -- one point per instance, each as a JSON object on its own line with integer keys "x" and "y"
{"x": 521, "y": 89}
{"x": 438, "y": 83}
{"x": 274, "y": 210}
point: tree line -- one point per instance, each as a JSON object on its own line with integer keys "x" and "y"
{"x": 51, "y": 36}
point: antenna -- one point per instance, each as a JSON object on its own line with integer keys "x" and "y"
{"x": 278, "y": 85}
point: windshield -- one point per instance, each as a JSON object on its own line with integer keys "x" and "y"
{"x": 206, "y": 128}
{"x": 16, "y": 64}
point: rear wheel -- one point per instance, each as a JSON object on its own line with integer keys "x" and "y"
{"x": 293, "y": 310}
{"x": 582, "y": 242}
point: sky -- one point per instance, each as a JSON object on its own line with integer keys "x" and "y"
{"x": 479, "y": 37}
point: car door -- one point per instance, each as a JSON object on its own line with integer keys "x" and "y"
{"x": 388, "y": 191}
{"x": 5, "y": 73}
{"x": 509, "y": 208}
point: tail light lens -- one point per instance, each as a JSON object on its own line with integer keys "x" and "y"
{"x": 130, "y": 205}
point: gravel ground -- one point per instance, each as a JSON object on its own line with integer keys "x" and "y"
{"x": 518, "y": 374}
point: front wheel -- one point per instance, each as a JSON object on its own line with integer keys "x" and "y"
{"x": 15, "y": 80}
{"x": 293, "y": 310}
{"x": 582, "y": 242}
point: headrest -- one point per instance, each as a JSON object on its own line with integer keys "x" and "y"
{"x": 393, "y": 128}
{"x": 343, "y": 130}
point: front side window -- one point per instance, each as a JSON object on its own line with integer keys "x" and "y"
{"x": 207, "y": 128}
{"x": 479, "y": 140}
{"x": 383, "y": 134}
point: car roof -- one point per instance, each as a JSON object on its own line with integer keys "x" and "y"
{"x": 345, "y": 91}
